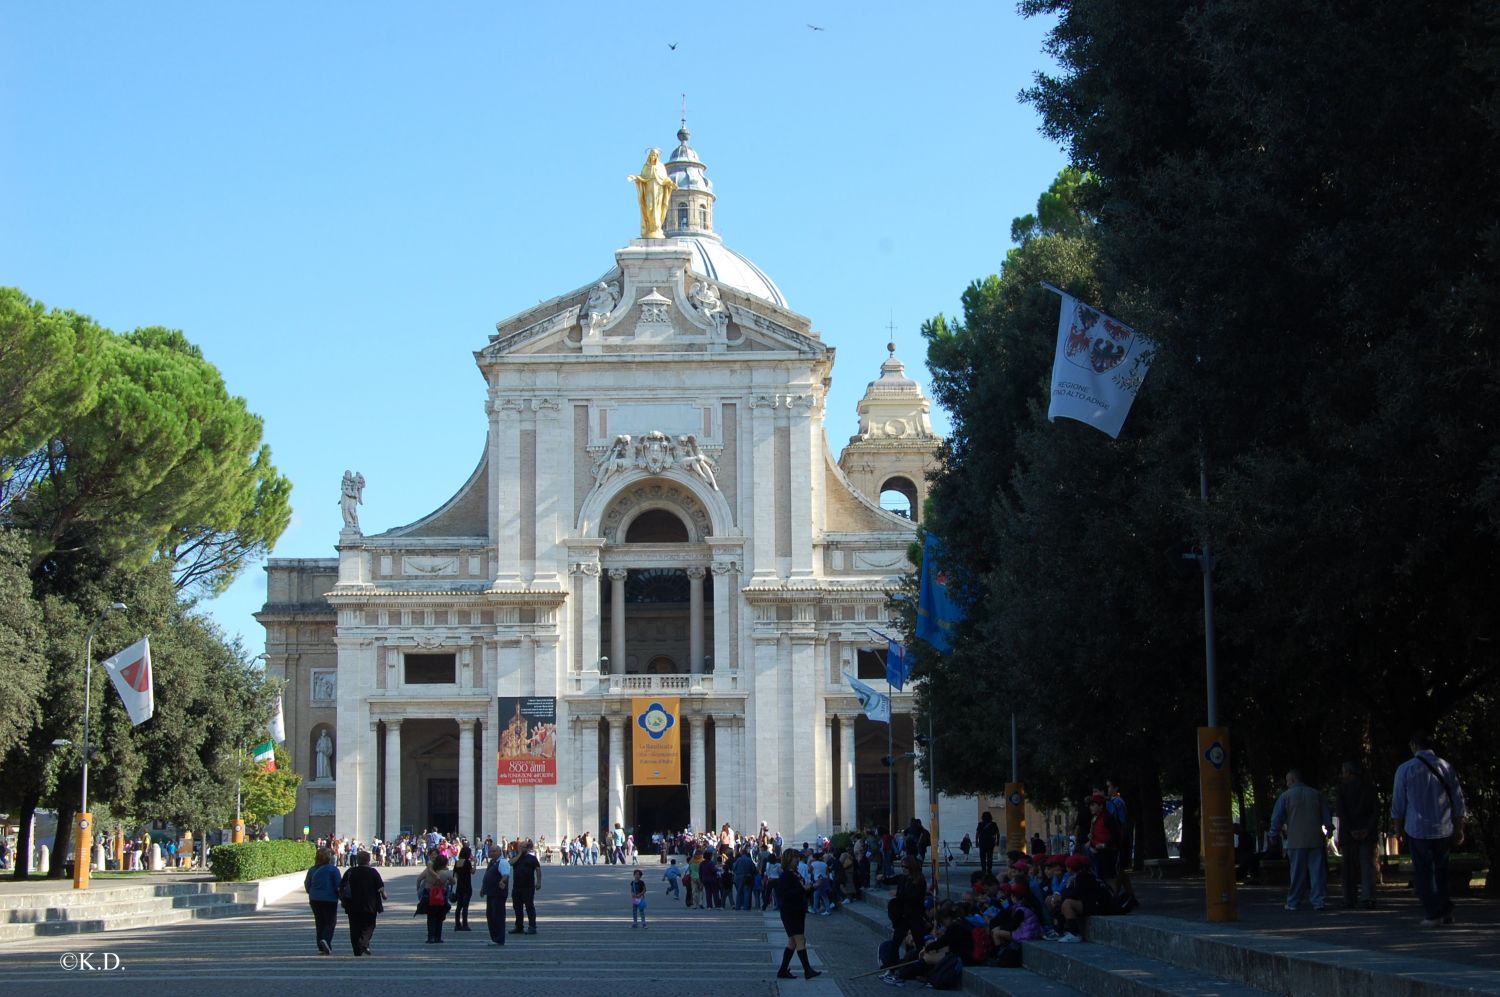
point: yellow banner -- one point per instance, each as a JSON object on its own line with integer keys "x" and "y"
{"x": 656, "y": 758}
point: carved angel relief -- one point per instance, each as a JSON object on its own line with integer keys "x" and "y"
{"x": 655, "y": 452}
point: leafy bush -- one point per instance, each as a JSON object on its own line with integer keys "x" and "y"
{"x": 260, "y": 859}
{"x": 840, "y": 841}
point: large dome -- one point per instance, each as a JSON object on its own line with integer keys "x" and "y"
{"x": 716, "y": 261}
{"x": 691, "y": 222}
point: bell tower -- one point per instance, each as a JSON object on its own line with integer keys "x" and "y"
{"x": 889, "y": 458}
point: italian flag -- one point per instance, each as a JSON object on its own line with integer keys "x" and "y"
{"x": 265, "y": 755}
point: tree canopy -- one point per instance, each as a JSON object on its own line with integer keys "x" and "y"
{"x": 1296, "y": 201}
{"x": 127, "y": 473}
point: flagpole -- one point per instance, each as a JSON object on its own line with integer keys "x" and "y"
{"x": 82, "y": 849}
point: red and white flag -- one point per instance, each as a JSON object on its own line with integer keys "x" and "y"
{"x": 131, "y": 672}
{"x": 1099, "y": 367}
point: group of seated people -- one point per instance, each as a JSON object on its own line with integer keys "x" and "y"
{"x": 1040, "y": 897}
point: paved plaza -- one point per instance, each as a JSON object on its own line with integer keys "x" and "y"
{"x": 584, "y": 945}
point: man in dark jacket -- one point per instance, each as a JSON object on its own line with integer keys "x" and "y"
{"x": 1358, "y": 811}
{"x": 493, "y": 889}
{"x": 987, "y": 837}
{"x": 525, "y": 881}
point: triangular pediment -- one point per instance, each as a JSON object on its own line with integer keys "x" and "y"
{"x": 652, "y": 302}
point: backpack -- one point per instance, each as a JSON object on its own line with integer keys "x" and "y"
{"x": 888, "y": 953}
{"x": 437, "y": 895}
{"x": 948, "y": 974}
{"x": 981, "y": 944}
{"x": 1008, "y": 957}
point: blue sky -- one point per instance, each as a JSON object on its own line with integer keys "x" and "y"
{"x": 338, "y": 201}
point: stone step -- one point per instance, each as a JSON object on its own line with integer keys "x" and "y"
{"x": 1287, "y": 966}
{"x": 147, "y": 919}
{"x": 48, "y": 896}
{"x": 1107, "y": 971}
{"x": 112, "y": 907}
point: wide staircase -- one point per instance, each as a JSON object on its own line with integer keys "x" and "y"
{"x": 1142, "y": 955}
{"x": 114, "y": 908}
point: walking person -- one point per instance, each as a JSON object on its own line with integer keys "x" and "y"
{"x": 463, "y": 887}
{"x": 1427, "y": 807}
{"x": 987, "y": 837}
{"x": 495, "y": 889}
{"x": 1302, "y": 819}
{"x": 434, "y": 887}
{"x": 526, "y": 879}
{"x": 363, "y": 893}
{"x": 1358, "y": 813}
{"x": 793, "y": 894}
{"x": 637, "y": 899}
{"x": 322, "y": 884}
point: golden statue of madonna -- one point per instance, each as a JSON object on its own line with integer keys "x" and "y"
{"x": 653, "y": 191}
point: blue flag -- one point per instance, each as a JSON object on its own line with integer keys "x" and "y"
{"x": 937, "y": 613}
{"x": 896, "y": 665}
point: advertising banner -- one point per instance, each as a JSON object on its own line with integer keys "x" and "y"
{"x": 657, "y": 756}
{"x": 528, "y": 741}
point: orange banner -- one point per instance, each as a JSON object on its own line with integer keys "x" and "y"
{"x": 1216, "y": 789}
{"x": 656, "y": 758}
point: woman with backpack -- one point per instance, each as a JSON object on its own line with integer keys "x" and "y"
{"x": 434, "y": 894}
{"x": 908, "y": 909}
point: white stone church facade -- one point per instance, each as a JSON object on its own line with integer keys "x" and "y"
{"x": 656, "y": 513}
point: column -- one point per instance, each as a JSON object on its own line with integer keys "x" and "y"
{"x": 617, "y": 578}
{"x": 697, "y": 784}
{"x": 695, "y": 620}
{"x": 505, "y": 488}
{"x": 802, "y": 688}
{"x": 371, "y": 806}
{"x": 616, "y": 770}
{"x": 724, "y": 588}
{"x": 587, "y": 818}
{"x": 762, "y": 482}
{"x": 805, "y": 453}
{"x": 846, "y": 769}
{"x": 490, "y": 738}
{"x": 723, "y": 773}
{"x": 392, "y": 825}
{"x": 466, "y": 778}
{"x": 828, "y": 778}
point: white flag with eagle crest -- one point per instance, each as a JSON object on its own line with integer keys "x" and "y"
{"x": 1099, "y": 367}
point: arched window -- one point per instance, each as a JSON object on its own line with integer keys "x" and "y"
{"x": 657, "y": 526}
{"x": 899, "y": 495}
{"x": 703, "y": 216}
{"x": 682, "y": 215}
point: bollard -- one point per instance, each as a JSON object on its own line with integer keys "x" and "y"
{"x": 155, "y": 857}
{"x": 44, "y": 860}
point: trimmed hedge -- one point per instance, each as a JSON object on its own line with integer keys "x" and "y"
{"x": 260, "y": 859}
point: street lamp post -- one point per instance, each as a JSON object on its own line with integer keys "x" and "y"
{"x": 82, "y": 849}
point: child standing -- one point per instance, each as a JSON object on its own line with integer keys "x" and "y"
{"x": 673, "y": 876}
{"x": 637, "y": 899}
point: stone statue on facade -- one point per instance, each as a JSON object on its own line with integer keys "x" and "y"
{"x": 601, "y": 302}
{"x": 619, "y": 457}
{"x": 653, "y": 193}
{"x": 323, "y": 753}
{"x": 705, "y": 298}
{"x": 350, "y": 500}
{"x": 693, "y": 460}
